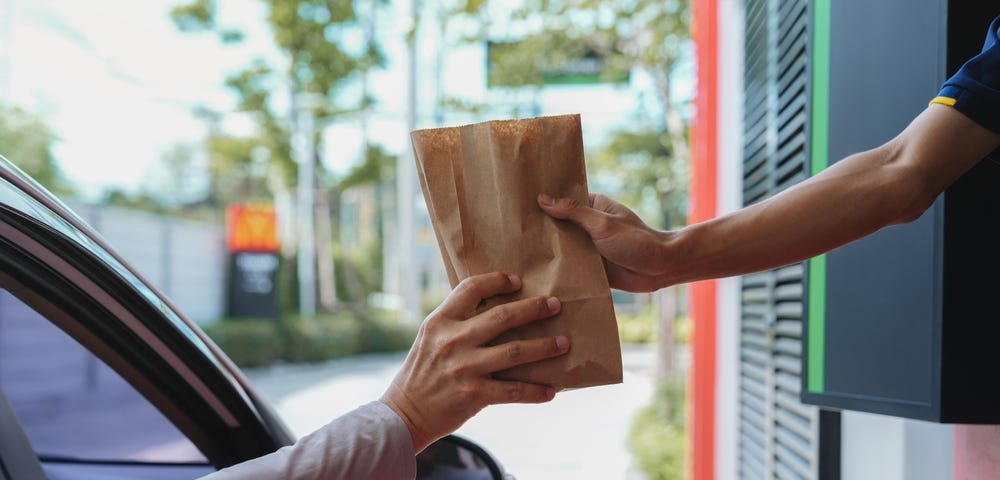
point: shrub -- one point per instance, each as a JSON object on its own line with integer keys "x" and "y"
{"x": 358, "y": 271}
{"x": 430, "y": 302}
{"x": 323, "y": 337}
{"x": 639, "y": 327}
{"x": 249, "y": 342}
{"x": 656, "y": 437}
{"x": 256, "y": 342}
{"x": 682, "y": 329}
{"x": 382, "y": 331}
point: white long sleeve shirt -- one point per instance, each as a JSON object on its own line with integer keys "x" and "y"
{"x": 370, "y": 442}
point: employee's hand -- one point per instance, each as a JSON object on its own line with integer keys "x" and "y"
{"x": 446, "y": 378}
{"x": 633, "y": 251}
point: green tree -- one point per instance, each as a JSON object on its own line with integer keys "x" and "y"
{"x": 27, "y": 141}
{"x": 638, "y": 167}
{"x": 180, "y": 180}
{"x": 539, "y": 39}
{"x": 360, "y": 268}
{"x": 314, "y": 35}
{"x": 319, "y": 41}
{"x": 656, "y": 436}
{"x": 646, "y": 161}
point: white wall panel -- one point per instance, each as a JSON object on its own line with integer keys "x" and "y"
{"x": 185, "y": 260}
{"x": 730, "y": 175}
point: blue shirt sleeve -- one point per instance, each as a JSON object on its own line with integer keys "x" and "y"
{"x": 975, "y": 89}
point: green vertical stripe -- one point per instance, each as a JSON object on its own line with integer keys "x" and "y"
{"x": 819, "y": 152}
{"x": 820, "y": 86}
{"x": 817, "y": 323}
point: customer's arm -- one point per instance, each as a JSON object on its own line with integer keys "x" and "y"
{"x": 856, "y": 196}
{"x": 368, "y": 443}
{"x": 445, "y": 380}
{"x": 447, "y": 377}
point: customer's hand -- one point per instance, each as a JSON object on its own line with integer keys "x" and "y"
{"x": 633, "y": 251}
{"x": 446, "y": 378}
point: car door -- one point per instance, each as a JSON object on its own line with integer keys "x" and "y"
{"x": 102, "y": 378}
{"x": 94, "y": 360}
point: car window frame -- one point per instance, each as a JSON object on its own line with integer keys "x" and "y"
{"x": 37, "y": 262}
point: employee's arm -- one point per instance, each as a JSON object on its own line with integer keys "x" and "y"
{"x": 893, "y": 183}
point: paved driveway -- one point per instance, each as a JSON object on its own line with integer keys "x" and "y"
{"x": 579, "y": 435}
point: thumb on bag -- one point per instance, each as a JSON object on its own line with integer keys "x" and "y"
{"x": 593, "y": 221}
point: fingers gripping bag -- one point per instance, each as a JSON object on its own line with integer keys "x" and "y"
{"x": 480, "y": 183}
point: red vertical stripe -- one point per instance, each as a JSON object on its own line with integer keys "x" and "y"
{"x": 704, "y": 182}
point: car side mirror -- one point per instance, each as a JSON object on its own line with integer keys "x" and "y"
{"x": 454, "y": 457}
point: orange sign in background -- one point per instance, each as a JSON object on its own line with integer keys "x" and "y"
{"x": 251, "y": 228}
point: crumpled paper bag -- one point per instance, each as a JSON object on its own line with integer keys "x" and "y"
{"x": 480, "y": 183}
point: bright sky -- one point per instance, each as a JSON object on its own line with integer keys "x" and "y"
{"x": 118, "y": 83}
{"x": 115, "y": 80}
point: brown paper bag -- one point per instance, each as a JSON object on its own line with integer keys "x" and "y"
{"x": 481, "y": 183}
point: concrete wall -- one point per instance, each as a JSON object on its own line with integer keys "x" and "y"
{"x": 879, "y": 447}
{"x": 185, "y": 260}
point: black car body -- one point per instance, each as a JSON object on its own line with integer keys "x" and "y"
{"x": 100, "y": 375}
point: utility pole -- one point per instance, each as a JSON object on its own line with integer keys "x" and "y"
{"x": 406, "y": 186}
{"x": 304, "y": 155}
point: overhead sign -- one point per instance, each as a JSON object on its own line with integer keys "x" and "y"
{"x": 589, "y": 68}
{"x": 252, "y": 241}
{"x": 252, "y": 285}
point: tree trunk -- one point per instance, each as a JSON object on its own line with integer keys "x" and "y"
{"x": 674, "y": 122}
{"x": 324, "y": 254}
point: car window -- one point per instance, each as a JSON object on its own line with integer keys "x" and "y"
{"x": 22, "y": 201}
{"x": 71, "y": 404}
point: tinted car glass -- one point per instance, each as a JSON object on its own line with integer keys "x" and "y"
{"x": 72, "y": 405}
{"x": 40, "y": 210}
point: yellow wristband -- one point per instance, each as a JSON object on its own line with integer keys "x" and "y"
{"x": 946, "y": 101}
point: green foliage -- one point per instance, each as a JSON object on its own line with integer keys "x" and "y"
{"x": 319, "y": 37}
{"x": 287, "y": 286}
{"x": 328, "y": 45}
{"x": 142, "y": 201}
{"x": 26, "y": 140}
{"x": 197, "y": 16}
{"x": 249, "y": 342}
{"x": 178, "y": 182}
{"x": 252, "y": 342}
{"x": 528, "y": 61}
{"x": 429, "y": 303}
{"x": 682, "y": 329}
{"x": 231, "y": 36}
{"x": 236, "y": 169}
{"x": 656, "y": 438}
{"x": 311, "y": 31}
{"x": 378, "y": 166}
{"x": 639, "y": 327}
{"x": 321, "y": 338}
{"x": 645, "y": 165}
{"x": 382, "y": 331}
{"x": 651, "y": 35}
{"x": 641, "y": 171}
{"x": 253, "y": 86}
{"x": 358, "y": 272}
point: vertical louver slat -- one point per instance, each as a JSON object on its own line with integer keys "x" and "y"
{"x": 778, "y": 434}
